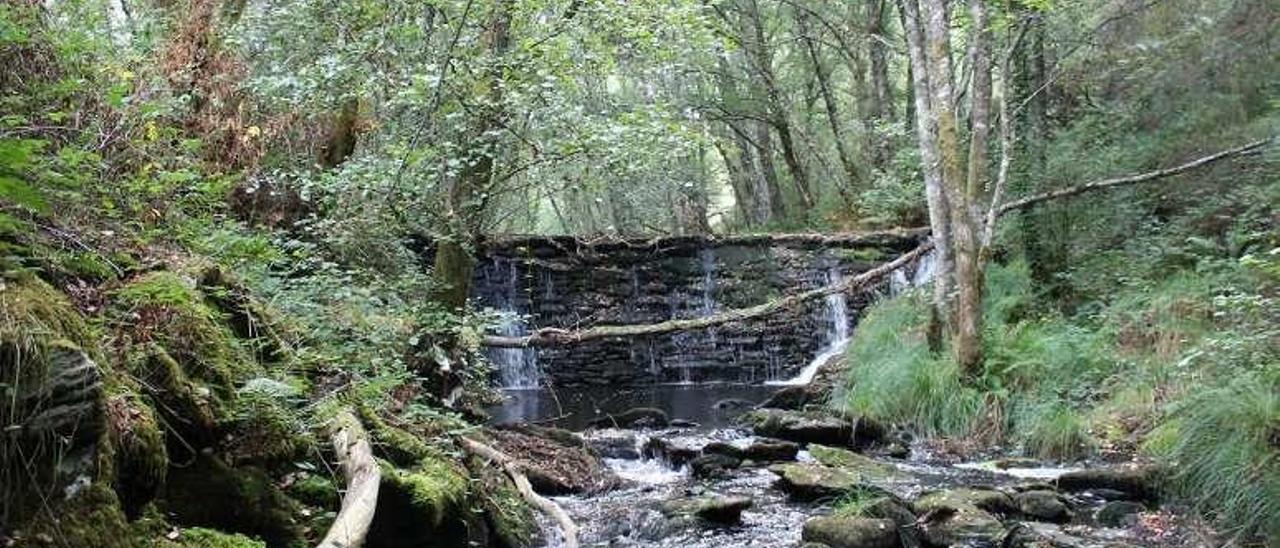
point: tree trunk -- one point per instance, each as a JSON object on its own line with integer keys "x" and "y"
{"x": 342, "y": 136}
{"x": 926, "y": 131}
{"x": 454, "y": 261}
{"x": 881, "y": 93}
{"x": 777, "y": 111}
{"x": 852, "y": 178}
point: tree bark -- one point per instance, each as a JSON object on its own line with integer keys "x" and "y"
{"x": 355, "y": 458}
{"x": 926, "y": 124}
{"x": 454, "y": 261}
{"x": 852, "y": 178}
{"x": 776, "y": 107}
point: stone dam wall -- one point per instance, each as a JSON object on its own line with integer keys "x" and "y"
{"x": 571, "y": 284}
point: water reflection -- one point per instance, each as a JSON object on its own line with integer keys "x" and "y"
{"x": 709, "y": 405}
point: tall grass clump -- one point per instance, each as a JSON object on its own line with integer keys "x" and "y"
{"x": 1225, "y": 455}
{"x": 893, "y": 375}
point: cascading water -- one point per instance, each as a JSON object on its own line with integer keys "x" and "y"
{"x": 836, "y": 314}
{"x": 517, "y": 367}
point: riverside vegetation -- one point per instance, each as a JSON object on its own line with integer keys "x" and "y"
{"x": 238, "y": 242}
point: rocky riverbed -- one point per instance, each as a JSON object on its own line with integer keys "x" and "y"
{"x": 791, "y": 478}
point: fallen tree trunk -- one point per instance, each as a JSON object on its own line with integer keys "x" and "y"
{"x": 552, "y": 336}
{"x": 355, "y": 458}
{"x": 543, "y": 504}
{"x": 549, "y": 336}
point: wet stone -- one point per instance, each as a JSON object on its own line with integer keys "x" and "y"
{"x": 1132, "y": 483}
{"x": 615, "y": 445}
{"x": 1043, "y": 505}
{"x": 637, "y": 417}
{"x": 851, "y": 532}
{"x": 715, "y": 509}
{"x": 1119, "y": 513}
{"x": 712, "y": 465}
{"x": 670, "y": 451}
{"x": 768, "y": 450}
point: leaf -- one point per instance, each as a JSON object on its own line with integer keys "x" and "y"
{"x": 19, "y": 192}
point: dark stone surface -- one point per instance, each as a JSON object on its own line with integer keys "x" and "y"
{"x": 563, "y": 283}
{"x": 712, "y": 465}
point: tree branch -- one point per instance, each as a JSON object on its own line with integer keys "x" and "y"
{"x": 545, "y": 505}
{"x": 1133, "y": 179}
{"x": 355, "y": 456}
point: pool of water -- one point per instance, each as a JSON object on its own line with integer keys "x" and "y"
{"x": 709, "y": 405}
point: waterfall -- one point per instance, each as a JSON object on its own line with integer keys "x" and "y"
{"x": 517, "y": 367}
{"x": 836, "y": 336}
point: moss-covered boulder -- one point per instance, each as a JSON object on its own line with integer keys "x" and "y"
{"x": 425, "y": 505}
{"x": 962, "y": 516}
{"x": 814, "y": 427}
{"x": 842, "y": 531}
{"x": 209, "y": 493}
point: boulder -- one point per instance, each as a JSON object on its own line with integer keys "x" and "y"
{"x": 1133, "y": 483}
{"x": 671, "y": 451}
{"x": 723, "y": 448}
{"x": 712, "y": 465}
{"x": 1043, "y": 505}
{"x": 712, "y": 508}
{"x": 636, "y": 417}
{"x": 813, "y": 427}
{"x": 789, "y": 398}
{"x": 731, "y": 404}
{"x": 769, "y": 450}
{"x": 962, "y": 516}
{"x": 861, "y": 465}
{"x": 615, "y": 445}
{"x": 851, "y": 532}
{"x": 809, "y": 482}
{"x": 1118, "y": 513}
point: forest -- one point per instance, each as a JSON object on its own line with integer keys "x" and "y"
{"x": 639, "y": 273}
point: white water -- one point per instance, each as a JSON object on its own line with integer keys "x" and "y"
{"x": 517, "y": 367}
{"x": 837, "y": 334}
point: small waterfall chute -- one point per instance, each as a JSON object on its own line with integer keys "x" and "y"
{"x": 517, "y": 367}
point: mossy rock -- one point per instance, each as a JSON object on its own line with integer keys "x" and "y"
{"x": 511, "y": 521}
{"x": 209, "y": 493}
{"x": 91, "y": 517}
{"x": 316, "y": 490}
{"x": 189, "y": 407}
{"x": 140, "y": 456}
{"x": 165, "y": 309}
{"x": 34, "y": 313}
{"x": 426, "y": 505}
{"x": 199, "y": 537}
{"x": 265, "y": 424}
{"x": 844, "y": 459}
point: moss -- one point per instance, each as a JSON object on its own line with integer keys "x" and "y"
{"x": 511, "y": 520}
{"x": 163, "y": 308}
{"x": 199, "y": 537}
{"x": 265, "y": 423}
{"x": 209, "y": 493}
{"x": 191, "y": 410}
{"x": 90, "y": 518}
{"x": 86, "y": 265}
{"x": 316, "y": 490}
{"x": 435, "y": 486}
{"x": 32, "y": 312}
{"x": 140, "y": 456}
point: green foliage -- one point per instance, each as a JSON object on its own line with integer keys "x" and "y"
{"x": 1226, "y": 454}
{"x": 435, "y": 486}
{"x": 199, "y": 537}
{"x": 894, "y": 376}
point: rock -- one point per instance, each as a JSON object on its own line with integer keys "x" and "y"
{"x": 844, "y": 459}
{"x": 714, "y": 509}
{"x": 1120, "y": 513}
{"x": 682, "y": 423}
{"x": 670, "y": 451}
{"x": 891, "y": 508}
{"x": 768, "y": 450}
{"x": 729, "y": 404}
{"x": 897, "y": 450}
{"x": 851, "y": 532}
{"x": 962, "y": 516}
{"x": 1135, "y": 483}
{"x": 809, "y": 482}
{"x": 620, "y": 445}
{"x": 812, "y": 427}
{"x": 789, "y": 398}
{"x": 1043, "y": 505}
{"x": 636, "y": 417}
{"x": 723, "y": 448}
{"x": 712, "y": 465}
{"x": 1015, "y": 462}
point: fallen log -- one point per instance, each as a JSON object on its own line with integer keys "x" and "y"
{"x": 543, "y": 504}
{"x": 549, "y": 336}
{"x": 355, "y": 457}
